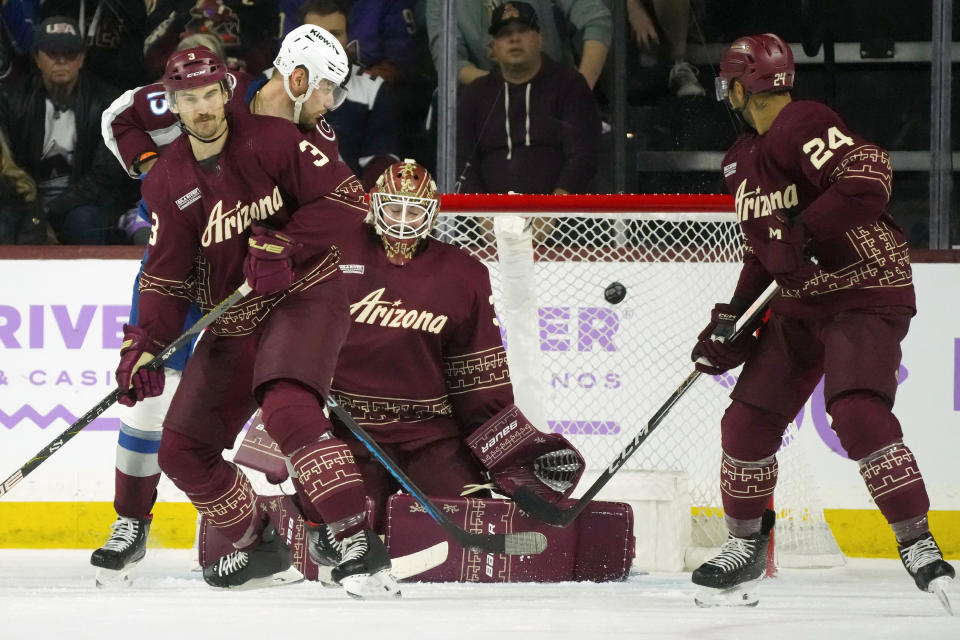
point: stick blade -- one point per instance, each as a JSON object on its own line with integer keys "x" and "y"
{"x": 539, "y": 508}
{"x": 524, "y": 543}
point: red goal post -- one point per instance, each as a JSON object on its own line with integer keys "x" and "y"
{"x": 596, "y": 371}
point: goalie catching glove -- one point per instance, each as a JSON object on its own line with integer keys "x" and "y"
{"x": 515, "y": 453}
{"x": 135, "y": 381}
{"x": 268, "y": 266}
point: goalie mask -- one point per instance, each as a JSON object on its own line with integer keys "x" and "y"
{"x": 403, "y": 209}
{"x": 320, "y": 54}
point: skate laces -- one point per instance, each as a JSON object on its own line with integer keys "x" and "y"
{"x": 735, "y": 553}
{"x": 125, "y": 531}
{"x": 232, "y": 562}
{"x": 920, "y": 554}
{"x": 354, "y": 547}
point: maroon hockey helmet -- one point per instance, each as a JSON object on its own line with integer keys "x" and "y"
{"x": 192, "y": 68}
{"x": 761, "y": 62}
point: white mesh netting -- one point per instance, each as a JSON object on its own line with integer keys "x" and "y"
{"x": 601, "y": 370}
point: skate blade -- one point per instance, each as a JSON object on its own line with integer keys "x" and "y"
{"x": 943, "y": 587}
{"x": 378, "y": 586}
{"x": 743, "y": 595}
{"x": 290, "y": 576}
{"x": 115, "y": 578}
{"x": 401, "y": 567}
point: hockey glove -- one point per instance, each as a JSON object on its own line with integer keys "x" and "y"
{"x": 786, "y": 258}
{"x": 268, "y": 266}
{"x": 714, "y": 344}
{"x": 515, "y": 453}
{"x": 134, "y": 380}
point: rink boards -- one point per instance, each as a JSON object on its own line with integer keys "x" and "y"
{"x": 60, "y": 328}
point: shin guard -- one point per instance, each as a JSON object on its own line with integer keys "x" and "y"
{"x": 894, "y": 482}
{"x": 232, "y": 511}
{"x": 746, "y": 487}
{"x": 328, "y": 478}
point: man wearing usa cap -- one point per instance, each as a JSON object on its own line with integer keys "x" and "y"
{"x": 53, "y": 120}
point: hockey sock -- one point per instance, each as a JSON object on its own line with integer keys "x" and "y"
{"x": 895, "y": 484}
{"x": 328, "y": 478}
{"x": 137, "y": 473}
{"x": 746, "y": 487}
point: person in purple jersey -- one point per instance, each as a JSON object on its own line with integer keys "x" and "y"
{"x": 811, "y": 199}
{"x": 247, "y": 198}
{"x": 137, "y": 472}
{"x": 423, "y": 368}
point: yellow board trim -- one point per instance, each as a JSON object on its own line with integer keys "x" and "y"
{"x": 85, "y": 525}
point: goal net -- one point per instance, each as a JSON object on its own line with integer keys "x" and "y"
{"x": 596, "y": 371}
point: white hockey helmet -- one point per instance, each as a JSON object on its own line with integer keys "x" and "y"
{"x": 316, "y": 50}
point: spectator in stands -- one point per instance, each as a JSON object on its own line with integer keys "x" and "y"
{"x": 114, "y": 33}
{"x": 366, "y": 123}
{"x": 531, "y": 125}
{"x": 20, "y": 213}
{"x": 52, "y": 119}
{"x": 248, "y": 30}
{"x": 674, "y": 19}
{"x": 589, "y": 18}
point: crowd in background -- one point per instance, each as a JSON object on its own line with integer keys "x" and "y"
{"x": 534, "y": 111}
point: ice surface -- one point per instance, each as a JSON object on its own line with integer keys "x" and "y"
{"x": 51, "y": 594}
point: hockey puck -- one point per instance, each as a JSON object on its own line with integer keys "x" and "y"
{"x": 614, "y": 293}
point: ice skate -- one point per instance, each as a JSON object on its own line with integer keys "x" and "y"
{"x": 325, "y": 551}
{"x": 127, "y": 545}
{"x": 732, "y": 577}
{"x": 269, "y": 564}
{"x": 364, "y": 570}
{"x": 924, "y": 561}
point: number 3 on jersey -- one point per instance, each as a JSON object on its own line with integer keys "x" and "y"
{"x": 818, "y": 151}
{"x": 307, "y": 145}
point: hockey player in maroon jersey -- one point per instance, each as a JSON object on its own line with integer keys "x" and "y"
{"x": 811, "y": 199}
{"x": 423, "y": 368}
{"x": 247, "y": 198}
{"x": 133, "y": 121}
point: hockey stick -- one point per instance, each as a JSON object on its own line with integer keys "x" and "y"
{"x": 520, "y": 543}
{"x": 552, "y": 514}
{"x": 108, "y": 401}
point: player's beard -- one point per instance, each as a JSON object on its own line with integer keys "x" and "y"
{"x": 207, "y": 128}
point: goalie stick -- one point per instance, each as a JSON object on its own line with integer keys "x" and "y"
{"x": 550, "y": 513}
{"x": 91, "y": 415}
{"x": 513, "y": 544}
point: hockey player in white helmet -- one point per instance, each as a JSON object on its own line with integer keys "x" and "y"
{"x": 310, "y": 72}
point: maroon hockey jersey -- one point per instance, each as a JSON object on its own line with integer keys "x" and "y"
{"x": 811, "y": 163}
{"x": 140, "y": 119}
{"x": 201, "y": 218}
{"x": 424, "y": 359}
